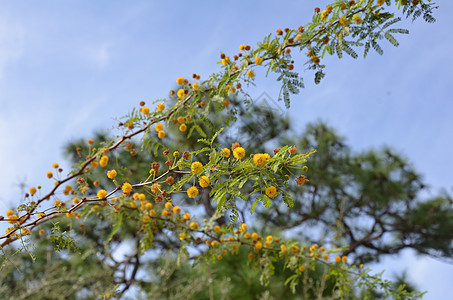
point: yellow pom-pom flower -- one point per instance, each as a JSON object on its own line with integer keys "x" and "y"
{"x": 127, "y": 188}
{"x": 192, "y": 192}
{"x": 204, "y": 181}
{"x": 33, "y": 191}
{"x": 225, "y": 152}
{"x": 161, "y": 134}
{"x": 49, "y": 174}
{"x": 194, "y": 225}
{"x": 179, "y": 80}
{"x": 195, "y": 86}
{"x": 161, "y": 106}
{"x": 239, "y": 152}
{"x": 159, "y": 127}
{"x": 259, "y": 60}
{"x": 259, "y": 159}
{"x": 196, "y": 167}
{"x": 101, "y": 194}
{"x": 258, "y": 245}
{"x": 104, "y": 161}
{"x": 271, "y": 191}
{"x": 180, "y": 93}
{"x": 250, "y": 74}
{"x": 145, "y": 110}
{"x": 55, "y": 166}
{"x": 111, "y": 174}
{"x": 183, "y": 127}
{"x": 176, "y": 209}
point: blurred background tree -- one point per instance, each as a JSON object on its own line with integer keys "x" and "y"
{"x": 370, "y": 202}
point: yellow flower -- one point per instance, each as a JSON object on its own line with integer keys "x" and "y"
{"x": 194, "y": 225}
{"x": 186, "y": 216}
{"x": 259, "y": 60}
{"x": 179, "y": 80}
{"x": 145, "y": 110}
{"x": 258, "y": 245}
{"x": 216, "y": 228}
{"x": 159, "y": 127}
{"x": 13, "y": 219}
{"x": 161, "y": 134}
{"x": 176, "y": 209}
{"x": 111, "y": 174}
{"x": 271, "y": 191}
{"x": 337, "y": 259}
{"x": 161, "y": 106}
{"x": 145, "y": 219}
{"x": 55, "y": 166}
{"x": 260, "y": 159}
{"x": 49, "y": 174}
{"x": 168, "y": 205}
{"x": 239, "y": 152}
{"x": 250, "y": 74}
{"x": 127, "y": 188}
{"x": 192, "y": 192}
{"x": 104, "y": 161}
{"x": 195, "y": 86}
{"x": 183, "y": 127}
{"x": 180, "y": 93}
{"x": 226, "y": 60}
{"x": 57, "y": 202}
{"x": 225, "y": 152}
{"x": 33, "y": 191}
{"x": 196, "y": 167}
{"x": 9, "y": 212}
{"x": 283, "y": 248}
{"x": 242, "y": 47}
{"x": 101, "y": 194}
{"x": 301, "y": 268}
{"x": 204, "y": 181}
{"x": 94, "y": 164}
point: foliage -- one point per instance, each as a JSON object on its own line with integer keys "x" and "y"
{"x": 138, "y": 186}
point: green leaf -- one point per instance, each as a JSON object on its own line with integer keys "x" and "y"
{"x": 117, "y": 226}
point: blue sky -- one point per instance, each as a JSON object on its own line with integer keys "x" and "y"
{"x": 68, "y": 68}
